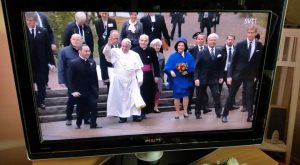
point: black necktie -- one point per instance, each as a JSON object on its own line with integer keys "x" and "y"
{"x": 105, "y": 32}
{"x": 249, "y": 49}
{"x": 81, "y": 31}
{"x": 32, "y": 33}
{"x": 229, "y": 55}
{"x": 200, "y": 48}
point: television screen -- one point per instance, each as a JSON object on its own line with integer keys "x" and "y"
{"x": 206, "y": 84}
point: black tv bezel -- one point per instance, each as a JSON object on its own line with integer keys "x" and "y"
{"x": 38, "y": 149}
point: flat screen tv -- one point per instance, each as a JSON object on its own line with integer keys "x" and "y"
{"x": 45, "y": 130}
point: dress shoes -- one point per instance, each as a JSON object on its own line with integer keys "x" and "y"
{"x": 249, "y": 119}
{"x": 176, "y": 117}
{"x": 189, "y": 112}
{"x": 185, "y": 116}
{"x": 244, "y": 110}
{"x": 69, "y": 122}
{"x": 42, "y": 106}
{"x": 205, "y": 111}
{"x": 224, "y": 119}
{"x": 233, "y": 108}
{"x": 198, "y": 116}
{"x": 137, "y": 119}
{"x": 156, "y": 111}
{"x": 77, "y": 127}
{"x": 219, "y": 115}
{"x": 47, "y": 87}
{"x": 122, "y": 120}
{"x": 95, "y": 126}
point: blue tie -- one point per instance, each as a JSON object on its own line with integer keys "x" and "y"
{"x": 212, "y": 53}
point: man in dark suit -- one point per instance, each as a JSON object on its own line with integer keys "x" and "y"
{"x": 104, "y": 25}
{"x": 206, "y": 20}
{"x": 83, "y": 84}
{"x": 42, "y": 21}
{"x": 244, "y": 69}
{"x": 227, "y": 52}
{"x": 207, "y": 74}
{"x": 65, "y": 55}
{"x": 79, "y": 26}
{"x": 154, "y": 26}
{"x": 41, "y": 56}
{"x": 177, "y": 18}
{"x": 104, "y": 64}
{"x": 200, "y": 40}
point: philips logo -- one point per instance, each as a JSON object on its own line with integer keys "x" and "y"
{"x": 154, "y": 140}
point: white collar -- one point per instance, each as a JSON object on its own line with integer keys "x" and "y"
{"x": 83, "y": 58}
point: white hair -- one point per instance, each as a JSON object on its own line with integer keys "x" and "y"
{"x": 80, "y": 16}
{"x": 156, "y": 41}
{"x": 144, "y": 35}
{"x": 213, "y": 35}
{"x": 126, "y": 40}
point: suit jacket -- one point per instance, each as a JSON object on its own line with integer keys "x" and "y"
{"x": 82, "y": 77}
{"x": 111, "y": 25}
{"x": 177, "y": 17}
{"x": 40, "y": 54}
{"x": 159, "y": 28}
{"x": 241, "y": 67}
{"x": 46, "y": 25}
{"x": 208, "y": 69}
{"x": 209, "y": 19}
{"x": 72, "y": 29}
{"x": 195, "y": 51}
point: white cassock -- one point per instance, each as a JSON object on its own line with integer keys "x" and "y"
{"x": 124, "y": 97}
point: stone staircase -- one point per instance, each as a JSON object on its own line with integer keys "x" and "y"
{"x": 56, "y": 101}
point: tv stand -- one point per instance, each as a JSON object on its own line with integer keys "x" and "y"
{"x": 149, "y": 158}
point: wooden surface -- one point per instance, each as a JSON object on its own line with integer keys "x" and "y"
{"x": 74, "y": 161}
{"x": 246, "y": 155}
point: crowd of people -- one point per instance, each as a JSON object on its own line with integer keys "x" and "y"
{"x": 133, "y": 66}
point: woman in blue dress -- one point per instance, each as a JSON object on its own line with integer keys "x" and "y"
{"x": 179, "y": 68}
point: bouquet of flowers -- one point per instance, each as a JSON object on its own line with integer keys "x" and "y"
{"x": 181, "y": 67}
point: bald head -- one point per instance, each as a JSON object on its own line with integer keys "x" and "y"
{"x": 76, "y": 41}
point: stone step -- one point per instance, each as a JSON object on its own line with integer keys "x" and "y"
{"x": 55, "y": 101}
{"x": 63, "y": 92}
{"x": 62, "y": 99}
{"x": 61, "y": 116}
{"x": 60, "y": 109}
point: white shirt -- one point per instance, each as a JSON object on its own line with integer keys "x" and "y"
{"x": 152, "y": 18}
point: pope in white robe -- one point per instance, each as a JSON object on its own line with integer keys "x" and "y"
{"x": 124, "y": 98}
